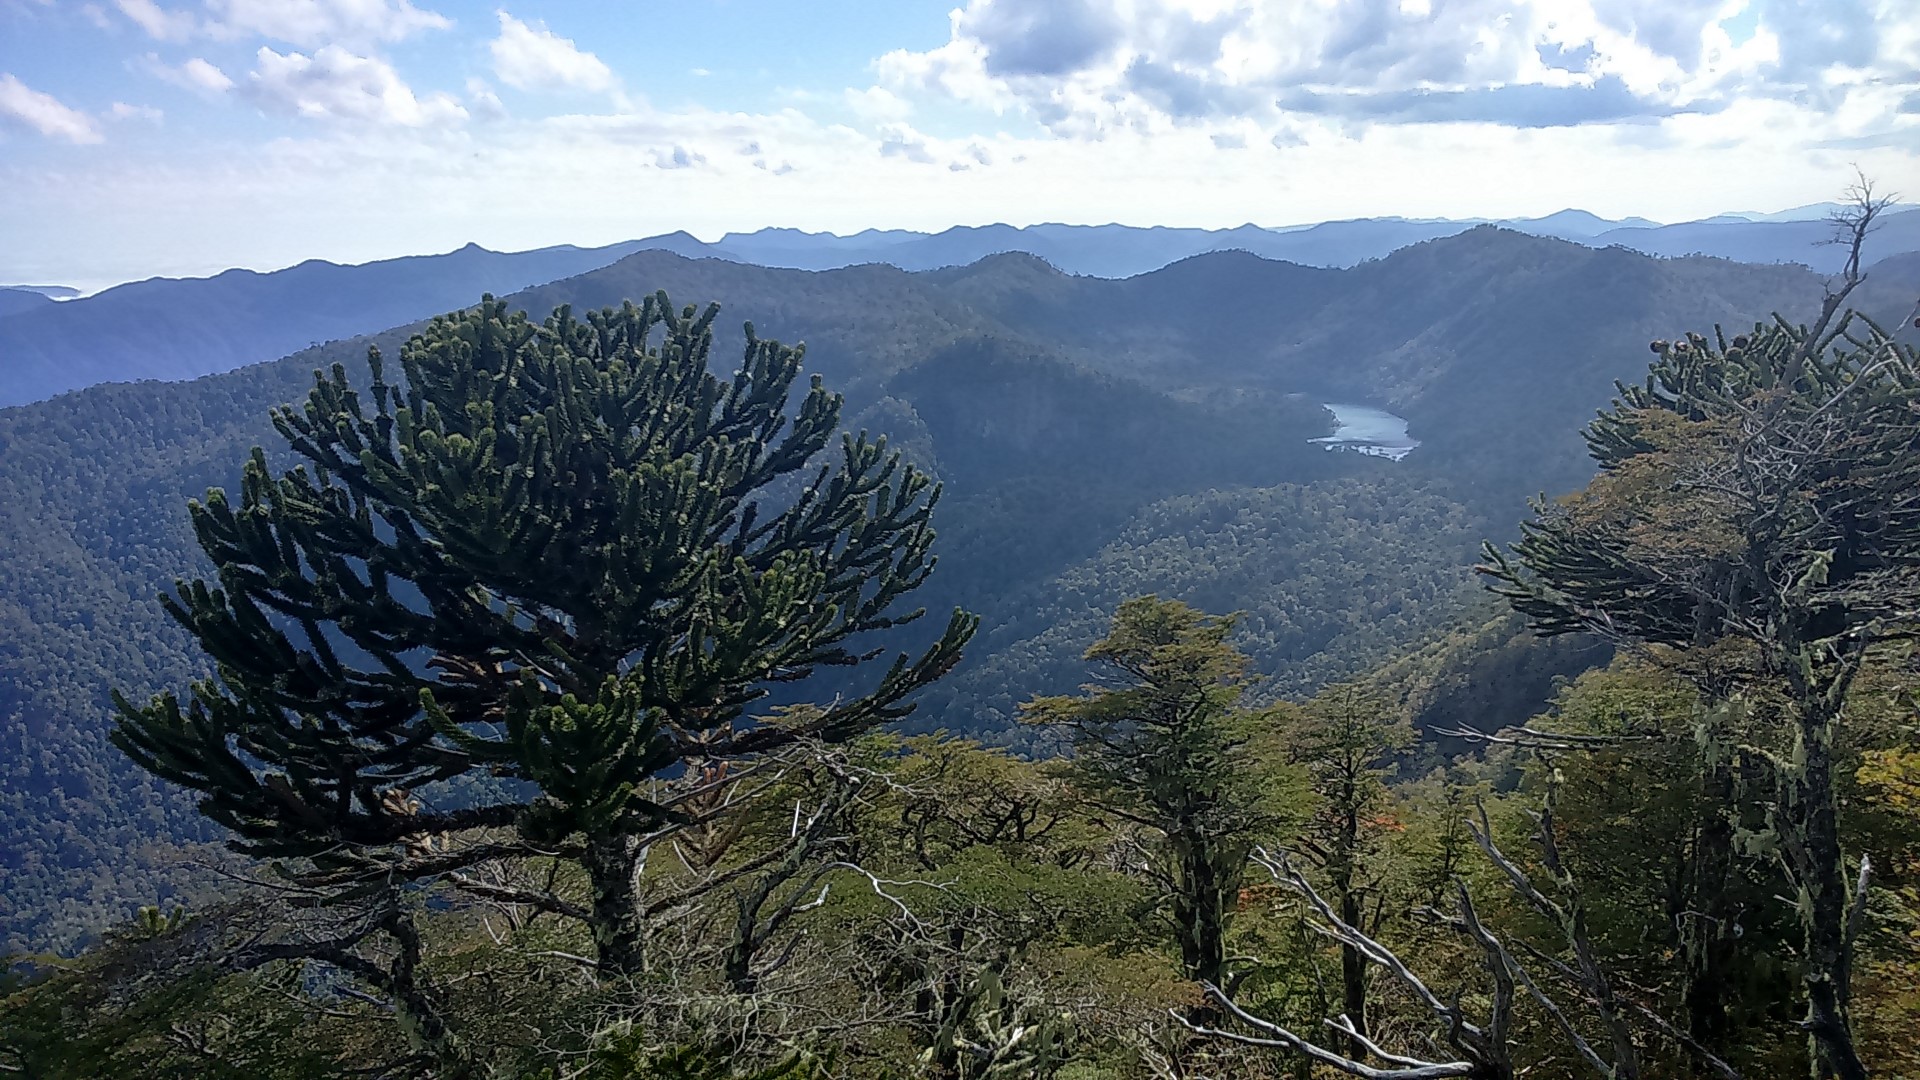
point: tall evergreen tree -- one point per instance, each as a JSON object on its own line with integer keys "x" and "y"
{"x": 555, "y": 562}
{"x": 1162, "y": 743}
{"x": 1756, "y": 511}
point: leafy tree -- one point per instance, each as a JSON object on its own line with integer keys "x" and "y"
{"x": 1346, "y": 739}
{"x": 954, "y": 795}
{"x": 1650, "y": 816}
{"x": 1161, "y": 744}
{"x": 1755, "y": 509}
{"x": 554, "y": 563}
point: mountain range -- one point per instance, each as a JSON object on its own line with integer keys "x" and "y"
{"x": 1098, "y": 438}
{"x": 182, "y": 328}
{"x": 167, "y": 328}
{"x": 1124, "y": 251}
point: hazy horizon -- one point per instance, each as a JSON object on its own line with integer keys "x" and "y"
{"x": 169, "y": 137}
{"x": 84, "y": 287}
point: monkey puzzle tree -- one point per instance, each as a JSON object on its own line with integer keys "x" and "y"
{"x": 557, "y": 561}
{"x": 1756, "y": 511}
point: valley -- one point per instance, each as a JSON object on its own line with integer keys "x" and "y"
{"x": 967, "y": 540}
{"x": 1097, "y": 439}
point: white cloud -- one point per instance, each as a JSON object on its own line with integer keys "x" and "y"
{"x": 901, "y": 141}
{"x": 316, "y": 22}
{"x": 44, "y": 113}
{"x": 678, "y": 157}
{"x": 203, "y": 75}
{"x": 878, "y": 103}
{"x": 535, "y": 58}
{"x": 486, "y": 104}
{"x": 157, "y": 21}
{"x": 334, "y": 84}
{"x": 196, "y": 74}
{"x": 1090, "y": 68}
{"x": 123, "y": 111}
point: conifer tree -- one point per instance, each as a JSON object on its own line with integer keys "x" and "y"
{"x": 1161, "y": 743}
{"x": 552, "y": 563}
{"x": 1756, "y": 511}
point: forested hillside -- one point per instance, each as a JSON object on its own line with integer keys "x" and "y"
{"x": 551, "y": 729}
{"x": 1097, "y": 439}
{"x": 164, "y": 328}
{"x": 1044, "y": 540}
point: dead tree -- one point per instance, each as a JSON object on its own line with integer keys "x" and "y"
{"x": 1569, "y": 915}
{"x": 791, "y": 872}
{"x": 1481, "y": 1050}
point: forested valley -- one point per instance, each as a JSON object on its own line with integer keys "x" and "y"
{"x": 1002, "y": 684}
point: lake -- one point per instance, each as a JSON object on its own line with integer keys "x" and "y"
{"x": 1368, "y": 430}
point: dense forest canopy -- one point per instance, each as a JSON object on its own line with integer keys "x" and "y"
{"x": 566, "y": 686}
{"x": 1096, "y": 439}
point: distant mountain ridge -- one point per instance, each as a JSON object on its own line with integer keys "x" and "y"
{"x": 184, "y": 328}
{"x": 170, "y": 329}
{"x": 1113, "y": 251}
{"x": 15, "y": 301}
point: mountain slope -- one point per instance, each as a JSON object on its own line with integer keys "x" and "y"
{"x": 1331, "y": 577}
{"x": 1497, "y": 347}
{"x": 182, "y": 329}
{"x": 176, "y": 329}
{"x": 1097, "y": 438}
{"x": 1797, "y": 241}
{"x": 19, "y": 301}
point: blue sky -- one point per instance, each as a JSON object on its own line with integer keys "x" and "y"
{"x": 142, "y": 137}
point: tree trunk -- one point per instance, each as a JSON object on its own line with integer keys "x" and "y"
{"x": 613, "y": 869}
{"x": 737, "y": 966}
{"x": 1353, "y": 966}
{"x": 1353, "y": 977}
{"x": 1708, "y": 910}
{"x": 418, "y": 1010}
{"x": 1813, "y": 809}
{"x": 1201, "y": 909}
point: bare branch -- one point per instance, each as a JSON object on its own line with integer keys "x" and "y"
{"x": 507, "y": 894}
{"x": 1279, "y": 1038}
{"x": 1857, "y": 913}
{"x": 1534, "y": 739}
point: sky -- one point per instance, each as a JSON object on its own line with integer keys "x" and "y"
{"x": 180, "y": 137}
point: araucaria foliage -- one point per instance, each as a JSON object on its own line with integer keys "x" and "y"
{"x": 554, "y": 562}
{"x": 1756, "y": 511}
